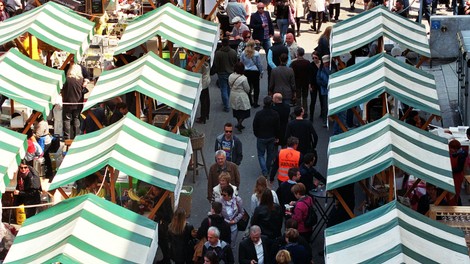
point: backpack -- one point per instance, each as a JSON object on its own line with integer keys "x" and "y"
{"x": 311, "y": 218}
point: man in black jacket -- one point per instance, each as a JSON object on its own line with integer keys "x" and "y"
{"x": 262, "y": 26}
{"x": 215, "y": 219}
{"x": 254, "y": 250}
{"x": 28, "y": 188}
{"x": 303, "y": 130}
{"x": 231, "y": 144}
{"x": 266, "y": 128}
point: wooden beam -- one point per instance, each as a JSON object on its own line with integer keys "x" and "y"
{"x": 160, "y": 46}
{"x": 12, "y": 108}
{"x": 407, "y": 113}
{"x": 152, "y": 4}
{"x": 182, "y": 118}
{"x": 425, "y": 125}
{"x": 170, "y": 49}
{"x": 62, "y": 192}
{"x": 20, "y": 46}
{"x": 137, "y": 104}
{"x": 384, "y": 104}
{"x": 343, "y": 203}
{"x": 341, "y": 125}
{"x": 167, "y": 121}
{"x": 358, "y": 116}
{"x": 67, "y": 60}
{"x": 200, "y": 63}
{"x": 30, "y": 122}
{"x": 157, "y": 206}
{"x": 422, "y": 59}
{"x": 440, "y": 198}
{"x": 144, "y": 48}
{"x": 407, "y": 193}
{"x": 121, "y": 56}
{"x": 130, "y": 181}
{"x": 94, "y": 118}
{"x": 149, "y": 104}
{"x": 208, "y": 17}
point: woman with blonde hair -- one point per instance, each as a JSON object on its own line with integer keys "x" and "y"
{"x": 283, "y": 257}
{"x": 323, "y": 47}
{"x": 260, "y": 186}
{"x": 253, "y": 70}
{"x": 179, "y": 232}
{"x": 224, "y": 180}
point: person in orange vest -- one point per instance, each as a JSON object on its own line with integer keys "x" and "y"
{"x": 287, "y": 158}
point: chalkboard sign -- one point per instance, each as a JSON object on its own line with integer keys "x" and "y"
{"x": 95, "y": 7}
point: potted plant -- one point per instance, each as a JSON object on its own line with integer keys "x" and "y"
{"x": 196, "y": 137}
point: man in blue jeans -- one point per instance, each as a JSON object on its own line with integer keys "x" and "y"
{"x": 266, "y": 127}
{"x": 224, "y": 60}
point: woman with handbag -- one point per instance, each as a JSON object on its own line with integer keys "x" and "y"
{"x": 232, "y": 211}
{"x": 239, "y": 100}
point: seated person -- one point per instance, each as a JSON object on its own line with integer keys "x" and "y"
{"x": 415, "y": 120}
{"x": 238, "y": 28}
{"x": 34, "y": 149}
{"x": 432, "y": 192}
{"x": 120, "y": 111}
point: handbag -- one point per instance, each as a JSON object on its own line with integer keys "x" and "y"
{"x": 242, "y": 224}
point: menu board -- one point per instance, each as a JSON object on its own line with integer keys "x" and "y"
{"x": 95, "y": 7}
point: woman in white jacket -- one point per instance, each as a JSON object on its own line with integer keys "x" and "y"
{"x": 316, "y": 8}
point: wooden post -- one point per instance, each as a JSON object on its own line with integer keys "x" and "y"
{"x": 30, "y": 122}
{"x": 123, "y": 59}
{"x": 144, "y": 48}
{"x": 30, "y": 51}
{"x": 170, "y": 48}
{"x": 380, "y": 45}
{"x": 343, "y": 203}
{"x": 341, "y": 125}
{"x": 152, "y": 4}
{"x": 412, "y": 187}
{"x": 200, "y": 63}
{"x": 391, "y": 185}
{"x": 21, "y": 48}
{"x": 160, "y": 46}
{"x": 425, "y": 125}
{"x": 384, "y": 104}
{"x": 439, "y": 199}
{"x": 12, "y": 108}
{"x": 422, "y": 59}
{"x": 62, "y": 192}
{"x": 137, "y": 104}
{"x": 157, "y": 206}
{"x": 130, "y": 181}
{"x": 149, "y": 104}
{"x": 208, "y": 17}
{"x": 112, "y": 182}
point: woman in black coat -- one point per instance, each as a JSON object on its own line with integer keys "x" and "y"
{"x": 179, "y": 233}
{"x": 268, "y": 216}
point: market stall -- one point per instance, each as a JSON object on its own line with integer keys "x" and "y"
{"x": 370, "y": 149}
{"x": 394, "y": 233}
{"x": 29, "y": 83}
{"x": 175, "y": 25}
{"x": 366, "y": 27}
{"x": 155, "y": 78}
{"x": 148, "y": 153}
{"x": 12, "y": 149}
{"x": 382, "y": 75}
{"x": 85, "y": 229}
{"x": 53, "y": 24}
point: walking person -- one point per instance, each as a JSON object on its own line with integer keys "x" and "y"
{"x": 231, "y": 144}
{"x": 239, "y": 101}
{"x": 179, "y": 233}
{"x": 253, "y": 70}
{"x": 266, "y": 127}
{"x": 262, "y": 26}
{"x": 334, "y": 8}
{"x": 204, "y": 98}
{"x": 316, "y": 8}
{"x": 224, "y": 61}
{"x": 281, "y": 10}
{"x": 313, "y": 85}
{"x": 299, "y": 13}
{"x": 232, "y": 211}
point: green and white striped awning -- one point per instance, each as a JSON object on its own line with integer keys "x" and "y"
{"x": 85, "y": 229}
{"x": 154, "y": 77}
{"x": 368, "y": 26}
{"x": 362, "y": 152}
{"x": 174, "y": 24}
{"x": 13, "y": 147}
{"x": 54, "y": 24}
{"x": 382, "y": 74}
{"x": 29, "y": 82}
{"x": 394, "y": 233}
{"x": 132, "y": 146}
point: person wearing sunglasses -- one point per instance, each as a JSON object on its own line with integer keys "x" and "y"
{"x": 28, "y": 188}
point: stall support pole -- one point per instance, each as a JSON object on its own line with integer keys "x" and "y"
{"x": 20, "y": 46}
{"x": 137, "y": 104}
{"x": 170, "y": 48}
{"x": 384, "y": 104}
{"x": 200, "y": 63}
{"x": 149, "y": 104}
{"x": 180, "y": 122}
{"x": 391, "y": 186}
{"x": 167, "y": 121}
{"x": 69, "y": 58}
{"x": 160, "y": 46}
{"x": 407, "y": 113}
{"x": 412, "y": 187}
{"x": 358, "y": 116}
{"x": 440, "y": 198}
{"x": 157, "y": 206}
{"x": 130, "y": 182}
{"x": 112, "y": 181}
{"x": 208, "y": 17}
{"x": 12, "y": 108}
{"x": 62, "y": 192}
{"x": 343, "y": 203}
{"x": 425, "y": 125}
{"x": 92, "y": 116}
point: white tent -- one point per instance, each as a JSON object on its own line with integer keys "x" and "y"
{"x": 13, "y": 147}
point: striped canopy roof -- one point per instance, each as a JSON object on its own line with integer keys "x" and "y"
{"x": 154, "y": 77}
{"x": 29, "y": 82}
{"x": 13, "y": 147}
{"x": 368, "y": 26}
{"x": 382, "y": 73}
{"x": 174, "y": 24}
{"x": 394, "y": 233}
{"x": 370, "y": 149}
{"x": 132, "y": 146}
{"x": 54, "y": 24}
{"x": 85, "y": 229}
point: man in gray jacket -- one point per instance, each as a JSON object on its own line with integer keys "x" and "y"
{"x": 282, "y": 80}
